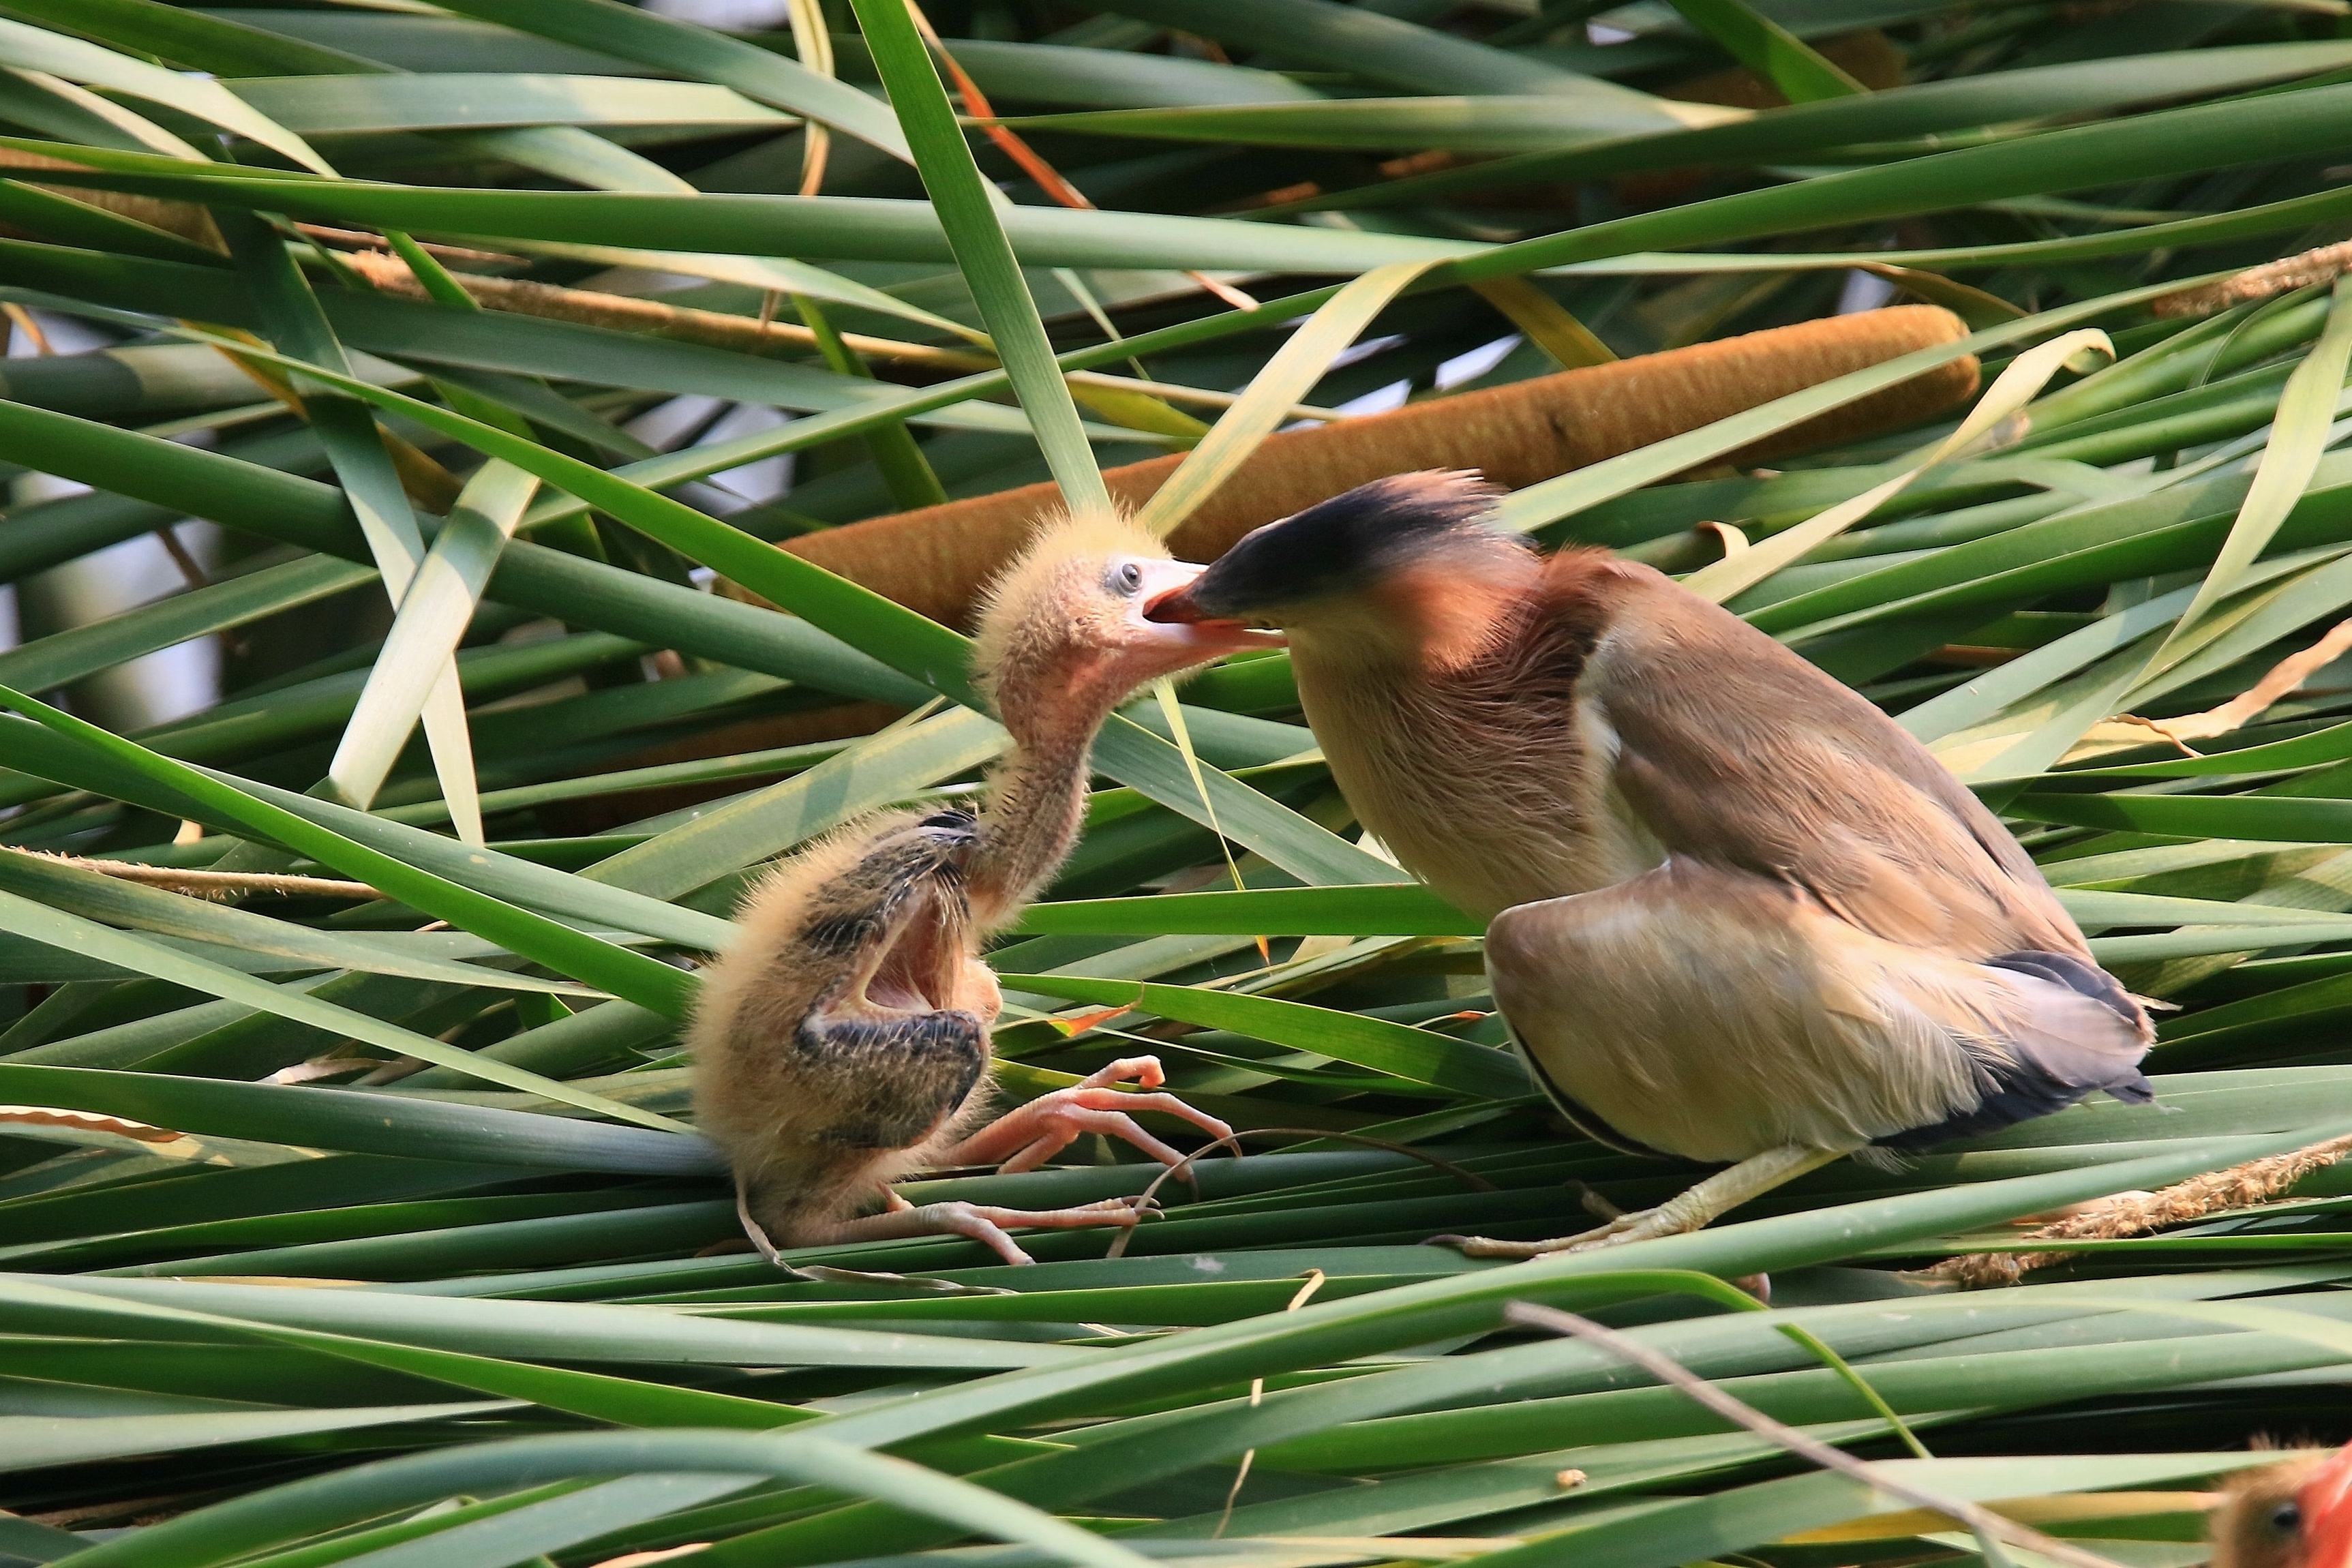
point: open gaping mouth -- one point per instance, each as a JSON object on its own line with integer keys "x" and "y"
{"x": 914, "y": 964}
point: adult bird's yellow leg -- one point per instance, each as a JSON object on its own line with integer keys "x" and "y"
{"x": 1719, "y": 1193}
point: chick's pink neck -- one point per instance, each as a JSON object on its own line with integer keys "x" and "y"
{"x": 1037, "y": 791}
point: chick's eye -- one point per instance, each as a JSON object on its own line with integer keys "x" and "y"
{"x": 2286, "y": 1519}
{"x": 1128, "y": 578}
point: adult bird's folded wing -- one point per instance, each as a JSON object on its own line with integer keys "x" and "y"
{"x": 1736, "y": 752}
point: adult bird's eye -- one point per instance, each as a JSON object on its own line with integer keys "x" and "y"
{"x": 1128, "y": 577}
{"x": 2286, "y": 1519}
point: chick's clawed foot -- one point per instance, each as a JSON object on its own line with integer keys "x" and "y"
{"x": 988, "y": 1225}
{"x": 1027, "y": 1136}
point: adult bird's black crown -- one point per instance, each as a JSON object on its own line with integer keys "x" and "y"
{"x": 1338, "y": 546}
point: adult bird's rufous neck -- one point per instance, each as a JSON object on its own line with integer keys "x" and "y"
{"x": 1430, "y": 616}
{"x": 1415, "y": 631}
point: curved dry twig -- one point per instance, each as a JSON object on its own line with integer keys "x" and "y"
{"x": 1987, "y": 1525}
{"x": 1183, "y": 1167}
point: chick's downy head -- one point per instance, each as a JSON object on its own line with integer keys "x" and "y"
{"x": 1063, "y": 636}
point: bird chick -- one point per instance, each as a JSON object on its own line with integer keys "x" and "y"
{"x": 2296, "y": 1514}
{"x": 843, "y": 1040}
{"x": 1738, "y": 915}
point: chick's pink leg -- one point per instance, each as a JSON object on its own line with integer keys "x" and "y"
{"x": 1028, "y": 1135}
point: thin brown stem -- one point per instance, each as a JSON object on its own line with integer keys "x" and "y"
{"x": 25, "y": 322}
{"x": 191, "y": 571}
{"x": 717, "y": 329}
{"x": 1987, "y": 1524}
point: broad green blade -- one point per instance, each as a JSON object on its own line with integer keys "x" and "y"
{"x": 34, "y": 49}
{"x": 1769, "y": 49}
{"x": 367, "y": 1123}
{"x": 25, "y": 918}
{"x": 966, "y": 206}
{"x": 346, "y": 105}
{"x": 699, "y": 54}
{"x": 2306, "y": 412}
{"x": 1286, "y": 379}
{"x": 1397, "y": 909}
{"x": 2017, "y": 386}
{"x": 598, "y": 962}
{"x": 418, "y": 655}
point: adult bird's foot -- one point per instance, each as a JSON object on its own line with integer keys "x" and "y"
{"x": 1028, "y": 1135}
{"x": 1643, "y": 1225}
{"x": 1693, "y": 1210}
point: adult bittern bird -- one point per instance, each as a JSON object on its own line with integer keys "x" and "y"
{"x": 1737, "y": 913}
{"x": 843, "y": 1040}
{"x": 2297, "y": 1514}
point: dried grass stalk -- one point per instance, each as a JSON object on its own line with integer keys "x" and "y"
{"x": 2324, "y": 265}
{"x": 626, "y": 313}
{"x": 186, "y": 219}
{"x": 2284, "y": 679}
{"x": 2135, "y": 1213}
{"x": 214, "y": 884}
{"x": 718, "y": 330}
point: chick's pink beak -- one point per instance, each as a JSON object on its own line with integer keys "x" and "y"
{"x": 2325, "y": 1503}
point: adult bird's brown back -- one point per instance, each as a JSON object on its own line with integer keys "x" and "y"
{"x": 1738, "y": 915}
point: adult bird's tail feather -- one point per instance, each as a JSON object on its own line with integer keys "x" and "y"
{"x": 2062, "y": 1028}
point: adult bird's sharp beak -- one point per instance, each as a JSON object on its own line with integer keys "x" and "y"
{"x": 1177, "y": 606}
{"x": 1169, "y": 608}
{"x": 2325, "y": 1502}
